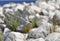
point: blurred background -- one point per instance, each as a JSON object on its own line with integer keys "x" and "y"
{"x": 2, "y": 2}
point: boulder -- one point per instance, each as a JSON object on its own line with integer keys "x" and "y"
{"x": 42, "y": 31}
{"x": 40, "y": 18}
{"x": 53, "y": 37}
{"x": 37, "y": 33}
{"x": 13, "y": 36}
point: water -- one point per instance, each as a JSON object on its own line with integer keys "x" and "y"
{"x": 2, "y": 2}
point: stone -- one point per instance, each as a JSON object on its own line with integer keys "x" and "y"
{"x": 53, "y": 37}
{"x": 39, "y": 39}
{"x": 6, "y": 30}
{"x": 57, "y": 14}
{"x": 51, "y": 14}
{"x": 42, "y": 31}
{"x": 37, "y": 33}
{"x": 45, "y": 12}
{"x": 1, "y": 21}
{"x": 20, "y": 7}
{"x": 2, "y": 27}
{"x": 33, "y": 9}
{"x": 13, "y": 36}
{"x": 58, "y": 29}
{"x": 40, "y": 18}
{"x": 43, "y": 5}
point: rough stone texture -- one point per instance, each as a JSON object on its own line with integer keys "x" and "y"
{"x": 42, "y": 31}
{"x": 39, "y": 39}
{"x": 53, "y": 37}
{"x": 14, "y": 36}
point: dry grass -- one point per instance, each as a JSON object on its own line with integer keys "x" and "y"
{"x": 54, "y": 23}
{"x": 29, "y": 27}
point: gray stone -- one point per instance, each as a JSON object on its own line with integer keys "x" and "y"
{"x": 37, "y": 33}
{"x": 42, "y": 31}
{"x": 13, "y": 36}
{"x": 53, "y": 37}
{"x": 40, "y": 18}
{"x": 39, "y": 39}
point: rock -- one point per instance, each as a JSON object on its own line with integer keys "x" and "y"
{"x": 42, "y": 31}
{"x": 7, "y": 10}
{"x": 39, "y": 19}
{"x": 51, "y": 8}
{"x": 58, "y": 1}
{"x": 31, "y": 17}
{"x": 45, "y": 12}
{"x": 37, "y": 33}
{"x": 43, "y": 5}
{"x": 13, "y": 36}
{"x": 12, "y": 5}
{"x": 39, "y": 39}
{"x": 25, "y": 28}
{"x": 57, "y": 14}
{"x": 1, "y": 12}
{"x": 57, "y": 6}
{"x": 58, "y": 29}
{"x": 6, "y": 30}
{"x": 20, "y": 7}
{"x": 2, "y": 27}
{"x": 1, "y": 21}
{"x": 53, "y": 37}
{"x": 34, "y": 9}
{"x": 26, "y": 4}
{"x": 51, "y": 14}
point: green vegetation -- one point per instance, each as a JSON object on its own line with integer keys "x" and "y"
{"x": 12, "y": 22}
{"x": 1, "y": 36}
{"x": 29, "y": 26}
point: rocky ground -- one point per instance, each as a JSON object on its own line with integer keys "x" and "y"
{"x": 39, "y": 21}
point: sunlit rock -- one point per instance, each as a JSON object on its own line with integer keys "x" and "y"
{"x": 53, "y": 37}
{"x": 14, "y": 36}
{"x": 42, "y": 31}
{"x": 34, "y": 9}
{"x": 20, "y": 7}
{"x": 39, "y": 39}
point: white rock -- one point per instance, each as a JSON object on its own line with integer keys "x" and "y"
{"x": 58, "y": 1}
{"x": 51, "y": 14}
{"x": 7, "y": 10}
{"x": 34, "y": 9}
{"x": 57, "y": 14}
{"x": 9, "y": 5}
{"x": 39, "y": 39}
{"x": 50, "y": 7}
{"x": 57, "y": 29}
{"x": 57, "y": 6}
{"x": 43, "y": 5}
{"x": 6, "y": 5}
{"x": 31, "y": 17}
{"x": 40, "y": 19}
{"x": 1, "y": 21}
{"x": 53, "y": 37}
{"x": 26, "y": 4}
{"x": 39, "y": 32}
{"x": 14, "y": 36}
{"x": 20, "y": 7}
{"x": 6, "y": 30}
{"x": 45, "y": 12}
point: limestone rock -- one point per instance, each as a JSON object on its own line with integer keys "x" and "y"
{"x": 53, "y": 37}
